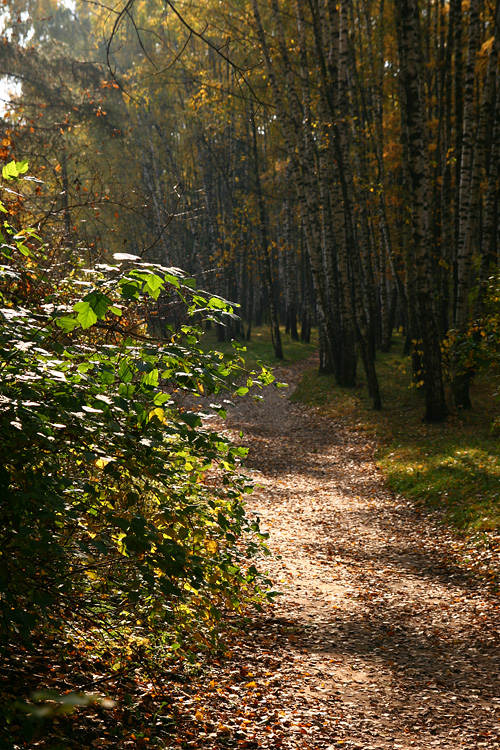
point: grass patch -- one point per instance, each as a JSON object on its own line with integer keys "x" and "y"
{"x": 260, "y": 348}
{"x": 453, "y": 468}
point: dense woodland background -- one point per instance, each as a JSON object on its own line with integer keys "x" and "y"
{"x": 310, "y": 160}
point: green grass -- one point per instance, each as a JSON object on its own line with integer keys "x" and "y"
{"x": 260, "y": 347}
{"x": 453, "y": 468}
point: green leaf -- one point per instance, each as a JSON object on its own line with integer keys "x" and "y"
{"x": 86, "y": 316}
{"x": 22, "y": 166}
{"x": 10, "y": 172}
{"x": 170, "y": 279}
{"x": 125, "y": 372}
{"x": 126, "y": 390}
{"x": 150, "y": 378}
{"x": 161, "y": 398}
{"x": 67, "y": 324}
{"x": 130, "y": 290}
{"x": 23, "y": 249}
{"x": 216, "y": 303}
{"x": 99, "y": 303}
{"x": 14, "y": 169}
{"x": 154, "y": 285}
{"x": 107, "y": 376}
{"x": 191, "y": 418}
{"x": 266, "y": 377}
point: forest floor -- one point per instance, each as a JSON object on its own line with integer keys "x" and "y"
{"x": 381, "y": 638}
{"x": 385, "y": 634}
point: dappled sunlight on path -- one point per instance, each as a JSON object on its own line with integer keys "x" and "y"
{"x": 397, "y": 645}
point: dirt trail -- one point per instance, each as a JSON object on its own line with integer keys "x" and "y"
{"x": 389, "y": 644}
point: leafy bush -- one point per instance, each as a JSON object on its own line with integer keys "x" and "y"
{"x": 119, "y": 506}
{"x": 478, "y": 346}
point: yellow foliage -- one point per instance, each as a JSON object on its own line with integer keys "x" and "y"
{"x": 211, "y": 546}
{"x": 159, "y": 413}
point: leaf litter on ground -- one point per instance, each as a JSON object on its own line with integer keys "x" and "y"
{"x": 386, "y": 634}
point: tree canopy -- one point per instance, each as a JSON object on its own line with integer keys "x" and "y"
{"x": 326, "y": 161}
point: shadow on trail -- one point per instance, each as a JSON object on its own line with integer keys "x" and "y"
{"x": 271, "y": 456}
{"x": 413, "y": 657}
{"x": 396, "y": 627}
{"x": 409, "y": 560}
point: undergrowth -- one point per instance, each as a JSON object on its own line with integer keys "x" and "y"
{"x": 452, "y": 468}
{"x": 123, "y": 529}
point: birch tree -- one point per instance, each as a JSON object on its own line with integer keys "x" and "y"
{"x": 413, "y": 124}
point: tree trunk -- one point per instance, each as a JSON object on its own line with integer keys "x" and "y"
{"x": 414, "y": 124}
{"x": 265, "y": 248}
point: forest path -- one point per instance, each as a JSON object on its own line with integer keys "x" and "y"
{"x": 381, "y": 641}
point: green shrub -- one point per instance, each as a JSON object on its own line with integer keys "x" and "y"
{"x": 120, "y": 508}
